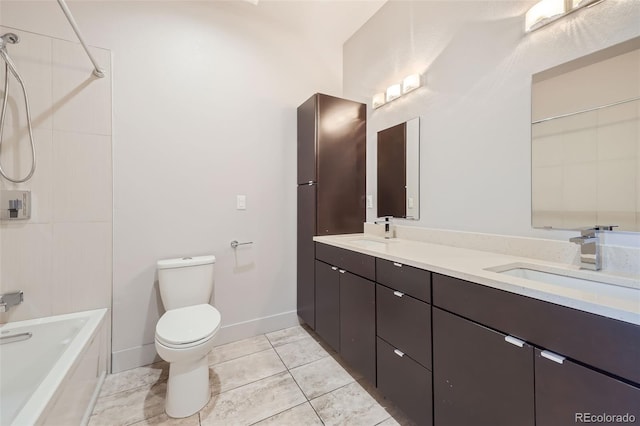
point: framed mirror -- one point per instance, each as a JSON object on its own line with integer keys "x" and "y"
{"x": 399, "y": 170}
{"x": 585, "y": 141}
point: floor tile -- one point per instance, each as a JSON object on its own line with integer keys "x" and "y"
{"x": 134, "y": 378}
{"x": 350, "y": 405}
{"x": 131, "y": 406}
{"x": 237, "y": 349}
{"x": 253, "y": 402}
{"x": 303, "y": 415}
{"x": 288, "y": 335}
{"x": 165, "y": 420}
{"x": 240, "y": 371}
{"x": 320, "y": 377}
{"x": 300, "y": 352}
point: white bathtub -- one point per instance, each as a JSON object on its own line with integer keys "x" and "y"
{"x": 54, "y": 375}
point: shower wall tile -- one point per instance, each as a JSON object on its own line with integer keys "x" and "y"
{"x": 16, "y": 162}
{"x": 32, "y": 56}
{"x": 82, "y": 181}
{"x": 81, "y": 266}
{"x": 26, "y": 266}
{"x": 81, "y": 101}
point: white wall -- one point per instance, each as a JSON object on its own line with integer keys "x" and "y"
{"x": 204, "y": 97}
{"x": 475, "y": 106}
{"x": 61, "y": 257}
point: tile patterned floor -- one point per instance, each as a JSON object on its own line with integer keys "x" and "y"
{"x": 287, "y": 377}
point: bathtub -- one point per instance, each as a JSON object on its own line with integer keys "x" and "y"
{"x": 51, "y": 369}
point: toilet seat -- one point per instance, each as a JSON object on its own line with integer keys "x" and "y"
{"x": 187, "y": 327}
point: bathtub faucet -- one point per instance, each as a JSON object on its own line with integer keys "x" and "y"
{"x": 8, "y": 300}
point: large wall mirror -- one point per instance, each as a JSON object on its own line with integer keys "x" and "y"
{"x": 399, "y": 170}
{"x": 585, "y": 141}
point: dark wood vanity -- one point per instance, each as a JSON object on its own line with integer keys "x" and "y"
{"x": 451, "y": 352}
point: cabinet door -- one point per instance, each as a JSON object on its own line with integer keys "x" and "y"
{"x": 306, "y": 254}
{"x": 478, "y": 377}
{"x": 569, "y": 393}
{"x": 328, "y": 304}
{"x": 358, "y": 324}
{"x": 405, "y": 382}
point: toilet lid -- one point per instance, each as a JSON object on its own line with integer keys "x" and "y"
{"x": 187, "y": 325}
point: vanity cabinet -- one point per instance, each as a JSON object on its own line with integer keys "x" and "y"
{"x": 479, "y": 377}
{"x": 582, "y": 363}
{"x": 345, "y": 306}
{"x": 403, "y": 317}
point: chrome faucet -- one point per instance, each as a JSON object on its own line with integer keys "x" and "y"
{"x": 589, "y": 249}
{"x": 387, "y": 225}
{"x": 8, "y": 300}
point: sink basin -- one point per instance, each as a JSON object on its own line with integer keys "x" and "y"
{"x": 574, "y": 279}
{"x": 370, "y": 243}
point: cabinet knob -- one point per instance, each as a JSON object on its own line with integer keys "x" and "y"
{"x": 397, "y": 293}
{"x": 398, "y": 352}
{"x": 399, "y": 265}
{"x": 553, "y": 356}
{"x": 334, "y": 268}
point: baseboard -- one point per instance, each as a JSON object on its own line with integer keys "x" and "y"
{"x": 146, "y": 354}
{"x": 133, "y": 357}
{"x": 242, "y": 330}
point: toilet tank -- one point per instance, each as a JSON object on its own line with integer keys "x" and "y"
{"x": 185, "y": 281}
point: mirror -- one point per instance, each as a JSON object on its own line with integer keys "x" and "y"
{"x": 585, "y": 141}
{"x": 399, "y": 170}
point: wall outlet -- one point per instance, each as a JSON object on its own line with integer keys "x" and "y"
{"x": 369, "y": 201}
{"x": 241, "y": 202}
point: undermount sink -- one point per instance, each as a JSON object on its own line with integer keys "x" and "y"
{"x": 370, "y": 243}
{"x": 581, "y": 280}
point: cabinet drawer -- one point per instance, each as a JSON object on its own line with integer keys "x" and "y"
{"x": 407, "y": 279}
{"x": 354, "y": 262}
{"x": 601, "y": 342}
{"x": 404, "y": 322}
{"x": 406, "y": 383}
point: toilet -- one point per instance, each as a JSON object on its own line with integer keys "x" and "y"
{"x": 186, "y": 331}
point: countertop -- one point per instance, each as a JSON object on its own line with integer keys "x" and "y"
{"x": 619, "y": 298}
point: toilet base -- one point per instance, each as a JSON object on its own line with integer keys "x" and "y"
{"x": 188, "y": 389}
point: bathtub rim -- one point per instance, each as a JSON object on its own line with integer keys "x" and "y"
{"x": 44, "y": 396}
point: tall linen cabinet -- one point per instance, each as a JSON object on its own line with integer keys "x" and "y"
{"x": 331, "y": 182}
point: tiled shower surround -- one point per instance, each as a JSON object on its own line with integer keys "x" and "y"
{"x": 61, "y": 257}
{"x": 286, "y": 377}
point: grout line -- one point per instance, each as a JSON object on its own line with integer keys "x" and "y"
{"x": 238, "y": 357}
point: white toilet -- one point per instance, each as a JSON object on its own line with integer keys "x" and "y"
{"x": 184, "y": 334}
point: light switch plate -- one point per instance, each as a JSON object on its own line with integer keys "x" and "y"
{"x": 369, "y": 201}
{"x": 241, "y": 202}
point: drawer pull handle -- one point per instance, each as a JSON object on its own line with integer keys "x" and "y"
{"x": 553, "y": 357}
{"x": 399, "y": 265}
{"x": 342, "y": 271}
{"x": 514, "y": 341}
{"x": 335, "y": 268}
{"x": 397, "y": 293}
{"x": 398, "y": 352}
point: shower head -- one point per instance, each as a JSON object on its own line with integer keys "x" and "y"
{"x": 10, "y": 38}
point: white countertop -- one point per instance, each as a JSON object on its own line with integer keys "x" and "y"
{"x": 619, "y": 299}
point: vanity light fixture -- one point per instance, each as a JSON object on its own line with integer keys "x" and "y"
{"x": 394, "y": 91}
{"x": 547, "y": 11}
{"x": 410, "y": 82}
{"x": 378, "y": 100}
{"x": 544, "y": 12}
